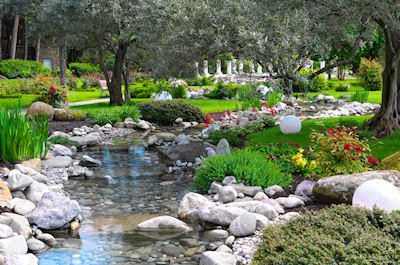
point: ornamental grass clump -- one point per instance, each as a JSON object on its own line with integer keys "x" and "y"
{"x": 248, "y": 167}
{"x": 21, "y": 138}
{"x": 338, "y": 235}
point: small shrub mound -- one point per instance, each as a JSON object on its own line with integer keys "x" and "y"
{"x": 165, "y": 112}
{"x": 81, "y": 69}
{"x": 248, "y": 167}
{"x": 371, "y": 73}
{"x": 338, "y": 235}
{"x": 22, "y": 68}
{"x": 112, "y": 115}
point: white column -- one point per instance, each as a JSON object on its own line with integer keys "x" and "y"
{"x": 205, "y": 68}
{"x": 252, "y": 71}
{"x": 229, "y": 68}
{"x": 259, "y": 69}
{"x": 219, "y": 68}
{"x": 322, "y": 64}
{"x": 240, "y": 67}
{"x": 234, "y": 67}
{"x": 196, "y": 68}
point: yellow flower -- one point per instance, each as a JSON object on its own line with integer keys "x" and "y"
{"x": 301, "y": 150}
{"x": 303, "y": 162}
{"x": 313, "y": 164}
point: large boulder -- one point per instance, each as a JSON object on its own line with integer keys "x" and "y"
{"x": 392, "y": 162}
{"x": 223, "y": 147}
{"x": 340, "y": 189}
{"x": 54, "y": 211}
{"x": 219, "y": 215}
{"x": 58, "y": 161}
{"x": 15, "y": 245}
{"x": 189, "y": 205}
{"x": 227, "y": 194}
{"x": 377, "y": 193}
{"x": 243, "y": 225}
{"x": 17, "y": 222}
{"x": 184, "y": 152}
{"x": 217, "y": 258}
{"x": 39, "y": 109}
{"x": 163, "y": 223}
{"x": 68, "y": 115}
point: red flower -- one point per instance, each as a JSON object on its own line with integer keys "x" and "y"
{"x": 331, "y": 132}
{"x": 347, "y": 146}
{"x": 208, "y": 120}
{"x": 228, "y": 113}
{"x": 373, "y": 160}
{"x": 273, "y": 111}
{"x": 266, "y": 105}
{"x": 358, "y": 148}
{"x": 52, "y": 89}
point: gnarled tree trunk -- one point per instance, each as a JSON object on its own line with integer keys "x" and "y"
{"x": 63, "y": 65}
{"x": 14, "y": 38}
{"x": 115, "y": 85}
{"x": 388, "y": 117}
{"x": 126, "y": 75}
{"x": 37, "y": 55}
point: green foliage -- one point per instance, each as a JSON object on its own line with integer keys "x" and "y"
{"x": 72, "y": 83}
{"x": 248, "y": 167}
{"x": 201, "y": 81}
{"x": 112, "y": 115}
{"x": 81, "y": 69}
{"x": 60, "y": 140}
{"x": 165, "y": 112}
{"x": 20, "y": 138}
{"x": 90, "y": 80}
{"x": 342, "y": 87}
{"x": 302, "y": 84}
{"x": 247, "y": 97}
{"x": 360, "y": 95}
{"x": 52, "y": 95}
{"x": 223, "y": 91}
{"x": 143, "y": 89}
{"x": 274, "y": 98}
{"x": 22, "y": 68}
{"x": 338, "y": 235}
{"x": 371, "y": 73}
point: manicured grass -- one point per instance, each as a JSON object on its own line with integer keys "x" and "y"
{"x": 380, "y": 148}
{"x": 77, "y": 96}
{"x": 374, "y": 96}
{"x": 26, "y": 101}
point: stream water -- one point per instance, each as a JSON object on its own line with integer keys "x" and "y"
{"x": 112, "y": 211}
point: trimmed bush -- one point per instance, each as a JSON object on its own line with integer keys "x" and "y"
{"x": 22, "y": 68}
{"x": 371, "y": 73}
{"x": 165, "y": 112}
{"x": 360, "y": 96}
{"x": 342, "y": 87}
{"x": 248, "y": 167}
{"x": 316, "y": 84}
{"x": 338, "y": 235}
{"x": 112, "y": 115}
{"x": 81, "y": 69}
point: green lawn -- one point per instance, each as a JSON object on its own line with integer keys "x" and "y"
{"x": 374, "y": 96}
{"x": 206, "y": 105}
{"x": 380, "y": 148}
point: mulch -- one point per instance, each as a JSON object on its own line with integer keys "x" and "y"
{"x": 67, "y": 126}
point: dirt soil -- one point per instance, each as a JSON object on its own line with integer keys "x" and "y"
{"x": 67, "y": 126}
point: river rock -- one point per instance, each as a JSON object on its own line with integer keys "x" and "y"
{"x": 229, "y": 241}
{"x": 267, "y": 210}
{"x": 152, "y": 140}
{"x": 167, "y": 137}
{"x": 223, "y": 147}
{"x": 172, "y": 250}
{"x": 87, "y": 161}
{"x": 5, "y": 231}
{"x": 17, "y": 259}
{"x": 143, "y": 125}
{"x": 224, "y": 248}
{"x": 217, "y": 234}
{"x": 58, "y": 162}
{"x": 61, "y": 150}
{"x": 190, "y": 203}
{"x": 15, "y": 244}
{"x": 35, "y": 245}
{"x": 119, "y": 125}
{"x": 163, "y": 223}
{"x": 377, "y": 193}
{"x": 181, "y": 139}
{"x": 292, "y": 202}
{"x": 25, "y": 170}
{"x": 54, "y": 211}
{"x": 274, "y": 191}
{"x": 40, "y": 108}
{"x": 260, "y": 196}
{"x": 277, "y": 206}
{"x": 229, "y": 180}
{"x": 35, "y": 191}
{"x": 35, "y": 164}
{"x": 305, "y": 188}
{"x": 184, "y": 152}
{"x": 340, "y": 188}
{"x": 47, "y": 238}
{"x": 219, "y": 215}
{"x": 249, "y": 205}
{"x": 227, "y": 194}
{"x": 5, "y": 194}
{"x": 217, "y": 258}
{"x": 243, "y": 225}
{"x": 86, "y": 140}
{"x": 17, "y": 222}
{"x": 18, "y": 181}
{"x": 247, "y": 190}
{"x": 21, "y": 206}
{"x": 40, "y": 178}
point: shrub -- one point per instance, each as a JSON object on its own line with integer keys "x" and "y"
{"x": 53, "y": 95}
{"x": 248, "y": 97}
{"x": 22, "y": 68}
{"x": 340, "y": 151}
{"x": 61, "y": 140}
{"x": 274, "y": 98}
{"x": 165, "y": 112}
{"x": 223, "y": 91}
{"x": 201, "y": 81}
{"x": 360, "y": 95}
{"x": 342, "y": 87}
{"x": 338, "y": 235}
{"x": 81, "y": 69}
{"x": 302, "y": 84}
{"x": 72, "y": 83}
{"x": 90, "y": 80}
{"x": 20, "y": 138}
{"x": 112, "y": 115}
{"x": 371, "y": 73}
{"x": 247, "y": 166}
{"x": 143, "y": 89}
{"x": 177, "y": 92}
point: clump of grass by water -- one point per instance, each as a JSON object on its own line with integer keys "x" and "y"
{"x": 21, "y": 138}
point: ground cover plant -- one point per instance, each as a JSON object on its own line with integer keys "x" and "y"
{"x": 247, "y": 166}
{"x": 21, "y": 138}
{"x": 338, "y": 235}
{"x": 81, "y": 69}
{"x": 22, "y": 68}
{"x": 106, "y": 115}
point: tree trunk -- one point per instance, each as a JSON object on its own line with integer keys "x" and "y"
{"x": 1, "y": 47}
{"x": 63, "y": 66}
{"x": 25, "y": 47}
{"x": 115, "y": 86}
{"x": 388, "y": 117}
{"x": 126, "y": 81}
{"x": 14, "y": 38}
{"x": 37, "y": 55}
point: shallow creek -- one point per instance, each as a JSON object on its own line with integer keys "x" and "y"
{"x": 112, "y": 211}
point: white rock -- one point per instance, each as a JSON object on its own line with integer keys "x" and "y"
{"x": 18, "y": 181}
{"x": 290, "y": 125}
{"x": 190, "y": 203}
{"x": 35, "y": 191}
{"x": 223, "y": 147}
{"x": 36, "y": 245}
{"x": 21, "y": 206}
{"x": 163, "y": 223}
{"x": 15, "y": 244}
{"x": 379, "y": 193}
{"x": 243, "y": 225}
{"x": 267, "y": 210}
{"x": 217, "y": 258}
{"x": 229, "y": 241}
{"x": 61, "y": 150}
{"x": 305, "y": 188}
{"x": 260, "y": 196}
{"x": 229, "y": 180}
{"x": 227, "y": 194}
{"x": 25, "y": 170}
{"x": 18, "y": 223}
{"x": 162, "y": 95}
{"x": 217, "y": 234}
{"x": 219, "y": 215}
{"x": 224, "y": 248}
{"x": 5, "y": 231}
{"x": 293, "y": 202}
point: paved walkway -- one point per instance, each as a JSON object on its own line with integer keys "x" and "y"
{"x": 87, "y": 102}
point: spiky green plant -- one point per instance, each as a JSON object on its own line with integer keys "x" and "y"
{"x": 21, "y": 138}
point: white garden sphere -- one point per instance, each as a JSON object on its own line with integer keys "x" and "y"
{"x": 379, "y": 193}
{"x": 290, "y": 125}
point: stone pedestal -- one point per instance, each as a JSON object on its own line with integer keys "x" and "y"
{"x": 259, "y": 69}
{"x": 252, "y": 70}
{"x": 234, "y": 67}
{"x": 205, "y": 68}
{"x": 219, "y": 68}
{"x": 229, "y": 68}
{"x": 240, "y": 67}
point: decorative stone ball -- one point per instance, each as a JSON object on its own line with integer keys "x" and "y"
{"x": 379, "y": 193}
{"x": 290, "y": 125}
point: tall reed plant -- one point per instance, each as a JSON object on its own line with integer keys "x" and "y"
{"x": 21, "y": 138}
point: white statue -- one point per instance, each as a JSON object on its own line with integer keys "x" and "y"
{"x": 229, "y": 68}
{"x": 252, "y": 70}
{"x": 259, "y": 69}
{"x": 240, "y": 67}
{"x": 205, "y": 68}
{"x": 219, "y": 68}
{"x": 234, "y": 67}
